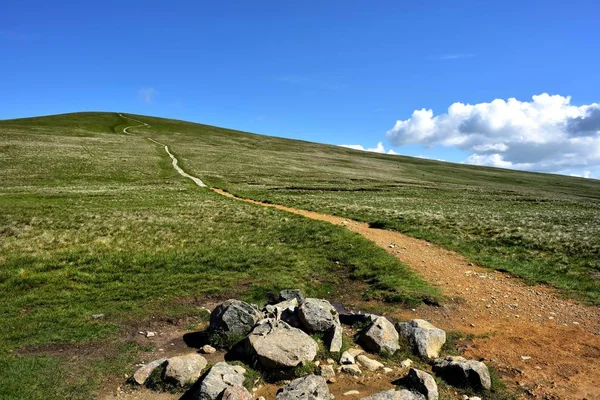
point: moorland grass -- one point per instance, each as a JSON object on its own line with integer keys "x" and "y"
{"x": 93, "y": 221}
{"x": 544, "y": 228}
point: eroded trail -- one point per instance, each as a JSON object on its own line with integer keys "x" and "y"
{"x": 548, "y": 346}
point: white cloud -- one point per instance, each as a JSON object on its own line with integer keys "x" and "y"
{"x": 147, "y": 94}
{"x": 546, "y": 134}
{"x": 377, "y": 149}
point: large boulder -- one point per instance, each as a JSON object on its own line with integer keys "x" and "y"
{"x": 234, "y": 317}
{"x": 459, "y": 371}
{"x": 380, "y": 336}
{"x": 423, "y": 383}
{"x": 184, "y": 370}
{"x": 425, "y": 339}
{"x": 278, "y": 345}
{"x": 143, "y": 373}
{"x": 220, "y": 377}
{"x": 317, "y": 315}
{"x": 311, "y": 387}
{"x": 394, "y": 395}
{"x": 236, "y": 393}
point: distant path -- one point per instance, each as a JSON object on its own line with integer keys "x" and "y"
{"x": 197, "y": 181}
{"x": 132, "y": 126}
{"x": 544, "y": 344}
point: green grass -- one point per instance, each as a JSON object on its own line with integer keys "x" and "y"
{"x": 544, "y": 228}
{"x": 94, "y": 221}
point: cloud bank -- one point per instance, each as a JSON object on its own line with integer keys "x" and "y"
{"x": 377, "y": 149}
{"x": 546, "y": 134}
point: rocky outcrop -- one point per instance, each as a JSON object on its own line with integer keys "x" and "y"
{"x": 278, "y": 345}
{"x": 220, "y": 377}
{"x": 234, "y": 317}
{"x": 380, "y": 336}
{"x": 184, "y": 370}
{"x": 423, "y": 383}
{"x": 461, "y": 372}
{"x": 425, "y": 339}
{"x": 311, "y": 387}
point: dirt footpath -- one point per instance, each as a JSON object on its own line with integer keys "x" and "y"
{"x": 540, "y": 342}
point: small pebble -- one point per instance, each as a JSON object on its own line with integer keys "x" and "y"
{"x": 351, "y": 393}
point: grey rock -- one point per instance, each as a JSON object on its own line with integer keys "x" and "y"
{"x": 394, "y": 395}
{"x": 234, "y": 317}
{"x": 327, "y": 371}
{"x": 289, "y": 294}
{"x": 208, "y": 349}
{"x": 143, "y": 373}
{"x": 311, "y": 387}
{"x": 97, "y": 316}
{"x": 371, "y": 365}
{"x": 284, "y": 310}
{"x": 380, "y": 336}
{"x": 351, "y": 369}
{"x": 317, "y": 315}
{"x": 334, "y": 337}
{"x": 423, "y": 383}
{"x": 459, "y": 371}
{"x": 185, "y": 370}
{"x": 347, "y": 358}
{"x": 278, "y": 345}
{"x": 236, "y": 393}
{"x": 220, "y": 377}
{"x": 425, "y": 339}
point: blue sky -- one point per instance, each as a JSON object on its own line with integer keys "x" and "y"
{"x": 339, "y": 72}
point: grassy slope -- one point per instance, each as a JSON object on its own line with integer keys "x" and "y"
{"x": 545, "y": 228}
{"x": 94, "y": 221}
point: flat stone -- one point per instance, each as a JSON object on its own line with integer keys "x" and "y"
{"x": 208, "y": 349}
{"x": 143, "y": 373}
{"x": 394, "y": 395}
{"x": 327, "y": 371}
{"x": 278, "y": 345}
{"x": 371, "y": 365}
{"x": 351, "y": 369}
{"x": 351, "y": 393}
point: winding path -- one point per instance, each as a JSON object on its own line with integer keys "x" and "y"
{"x": 544, "y": 344}
{"x": 197, "y": 181}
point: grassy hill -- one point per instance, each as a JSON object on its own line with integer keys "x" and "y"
{"x": 96, "y": 221}
{"x": 542, "y": 227}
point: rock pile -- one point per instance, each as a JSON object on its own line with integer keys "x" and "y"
{"x": 277, "y": 338}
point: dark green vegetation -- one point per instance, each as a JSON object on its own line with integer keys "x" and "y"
{"x": 544, "y": 228}
{"x": 95, "y": 221}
